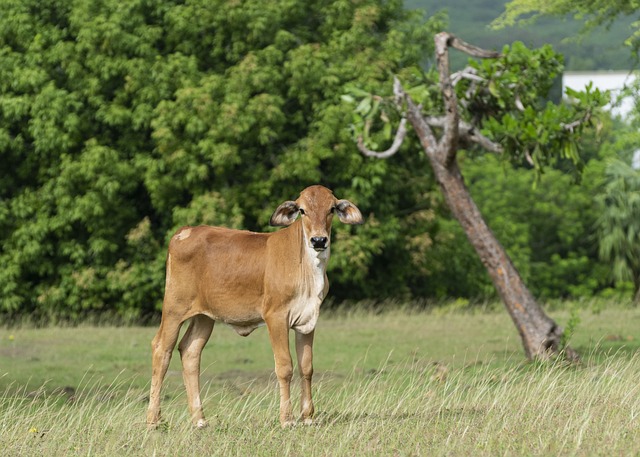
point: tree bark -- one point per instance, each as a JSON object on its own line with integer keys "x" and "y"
{"x": 541, "y": 336}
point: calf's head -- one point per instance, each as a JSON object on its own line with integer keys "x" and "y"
{"x": 316, "y": 207}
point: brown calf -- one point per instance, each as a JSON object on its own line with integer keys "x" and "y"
{"x": 246, "y": 279}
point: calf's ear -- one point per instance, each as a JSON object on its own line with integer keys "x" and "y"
{"x": 348, "y": 213}
{"x": 284, "y": 214}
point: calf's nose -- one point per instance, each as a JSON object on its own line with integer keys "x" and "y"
{"x": 319, "y": 242}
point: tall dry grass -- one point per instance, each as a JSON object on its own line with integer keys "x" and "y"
{"x": 396, "y": 383}
{"x": 407, "y": 408}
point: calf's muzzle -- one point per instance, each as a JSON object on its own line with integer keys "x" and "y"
{"x": 319, "y": 243}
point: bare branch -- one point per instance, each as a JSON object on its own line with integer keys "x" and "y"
{"x": 423, "y": 130}
{"x": 467, "y": 73}
{"x": 435, "y": 121}
{"x": 453, "y": 128}
{"x": 470, "y": 49}
{"x": 449, "y": 142}
{"x": 398, "y": 92}
{"x": 572, "y": 125}
{"x": 528, "y": 157}
{"x": 414, "y": 114}
{"x": 468, "y": 133}
{"x": 397, "y": 142}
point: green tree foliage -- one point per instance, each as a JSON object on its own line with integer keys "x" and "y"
{"x": 619, "y": 223}
{"x": 617, "y": 227}
{"x": 120, "y": 121}
{"x": 528, "y": 195}
{"x": 592, "y": 13}
{"x": 507, "y": 99}
{"x": 596, "y": 48}
{"x": 547, "y": 227}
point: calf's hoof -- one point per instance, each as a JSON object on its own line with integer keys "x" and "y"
{"x": 289, "y": 423}
{"x": 201, "y": 423}
{"x": 151, "y": 426}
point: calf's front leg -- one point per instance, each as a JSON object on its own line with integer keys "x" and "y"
{"x": 279, "y": 335}
{"x": 304, "y": 351}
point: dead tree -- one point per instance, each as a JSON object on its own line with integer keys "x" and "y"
{"x": 440, "y": 138}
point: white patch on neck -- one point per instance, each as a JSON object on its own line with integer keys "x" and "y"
{"x": 305, "y": 308}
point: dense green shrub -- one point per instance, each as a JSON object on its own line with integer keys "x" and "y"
{"x": 120, "y": 121}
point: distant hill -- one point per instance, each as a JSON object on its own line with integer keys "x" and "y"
{"x": 601, "y": 50}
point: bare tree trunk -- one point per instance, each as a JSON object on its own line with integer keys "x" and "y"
{"x": 540, "y": 335}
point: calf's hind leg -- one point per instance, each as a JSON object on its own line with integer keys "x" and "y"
{"x": 161, "y": 350}
{"x": 190, "y": 348}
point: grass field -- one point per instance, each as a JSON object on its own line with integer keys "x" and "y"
{"x": 393, "y": 383}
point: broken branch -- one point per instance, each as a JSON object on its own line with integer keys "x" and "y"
{"x": 395, "y": 146}
{"x": 470, "y": 49}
